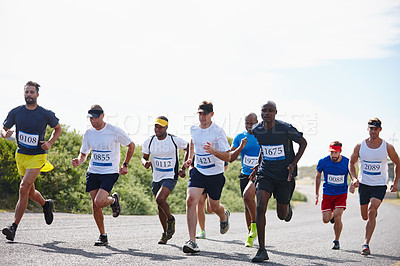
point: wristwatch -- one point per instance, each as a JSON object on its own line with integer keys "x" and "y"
{"x": 126, "y": 164}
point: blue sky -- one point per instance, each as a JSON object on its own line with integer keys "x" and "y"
{"x": 329, "y": 66}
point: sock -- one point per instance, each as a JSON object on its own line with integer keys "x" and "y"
{"x": 14, "y": 225}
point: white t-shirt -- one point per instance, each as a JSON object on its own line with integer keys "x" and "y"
{"x": 163, "y": 155}
{"x": 206, "y": 163}
{"x": 105, "y": 147}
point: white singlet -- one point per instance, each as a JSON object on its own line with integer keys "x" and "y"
{"x": 373, "y": 165}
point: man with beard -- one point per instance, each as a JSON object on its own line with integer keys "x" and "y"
{"x": 373, "y": 175}
{"x": 276, "y": 170}
{"x": 164, "y": 161}
{"x": 335, "y": 168}
{"x": 30, "y": 121}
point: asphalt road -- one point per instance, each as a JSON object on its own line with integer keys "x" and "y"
{"x": 133, "y": 240}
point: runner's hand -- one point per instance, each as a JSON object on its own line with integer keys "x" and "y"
{"x": 291, "y": 169}
{"x": 45, "y": 145}
{"x": 394, "y": 188}
{"x": 208, "y": 148}
{"x": 252, "y": 176}
{"x": 147, "y": 164}
{"x": 187, "y": 163}
{"x": 75, "y": 162}
{"x": 8, "y": 133}
{"x": 123, "y": 170}
{"x": 182, "y": 173}
{"x": 316, "y": 198}
{"x": 243, "y": 142}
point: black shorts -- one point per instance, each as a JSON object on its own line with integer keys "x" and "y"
{"x": 103, "y": 181}
{"x": 280, "y": 188}
{"x": 167, "y": 182}
{"x": 244, "y": 180}
{"x": 366, "y": 192}
{"x": 212, "y": 184}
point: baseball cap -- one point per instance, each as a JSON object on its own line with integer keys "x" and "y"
{"x": 95, "y": 111}
{"x": 162, "y": 121}
{"x": 374, "y": 122}
{"x": 205, "y": 107}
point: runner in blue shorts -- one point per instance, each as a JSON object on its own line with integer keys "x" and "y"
{"x": 30, "y": 121}
{"x": 211, "y": 147}
{"x": 276, "y": 170}
{"x": 103, "y": 140}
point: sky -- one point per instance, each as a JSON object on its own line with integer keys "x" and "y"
{"x": 328, "y": 65}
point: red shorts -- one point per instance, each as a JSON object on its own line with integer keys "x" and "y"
{"x": 330, "y": 203}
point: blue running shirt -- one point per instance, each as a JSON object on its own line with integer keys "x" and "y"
{"x": 250, "y": 152}
{"x": 335, "y": 175}
{"x": 30, "y": 127}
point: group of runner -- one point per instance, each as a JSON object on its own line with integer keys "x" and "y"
{"x": 268, "y": 159}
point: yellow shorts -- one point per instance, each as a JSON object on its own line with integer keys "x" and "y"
{"x": 32, "y": 162}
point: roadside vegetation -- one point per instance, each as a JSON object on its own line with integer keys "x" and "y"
{"x": 66, "y": 184}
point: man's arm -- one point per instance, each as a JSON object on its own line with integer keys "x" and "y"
{"x": 222, "y": 155}
{"x": 396, "y": 161}
{"x": 352, "y": 167}
{"x": 6, "y": 132}
{"x": 317, "y": 184}
{"x": 182, "y": 172}
{"x": 145, "y": 160}
{"x": 236, "y": 151}
{"x": 131, "y": 149}
{"x": 79, "y": 160}
{"x": 54, "y": 136}
{"x": 302, "y": 148}
{"x": 255, "y": 168}
{"x": 188, "y": 162}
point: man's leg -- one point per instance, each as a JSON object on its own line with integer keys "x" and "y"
{"x": 100, "y": 199}
{"x": 24, "y": 193}
{"x": 218, "y": 208}
{"x": 371, "y": 218}
{"x": 337, "y": 227}
{"x": 200, "y": 212}
{"x": 327, "y": 216}
{"x": 164, "y": 211}
{"x": 262, "y": 203}
{"x": 249, "y": 195}
{"x": 193, "y": 197}
{"x": 282, "y": 210}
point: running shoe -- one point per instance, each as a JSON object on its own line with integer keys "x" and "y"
{"x": 115, "y": 206}
{"x": 332, "y": 220}
{"x": 201, "y": 234}
{"x": 249, "y": 241}
{"x": 336, "y": 244}
{"x": 9, "y": 232}
{"x": 102, "y": 241}
{"x": 170, "y": 227}
{"x": 260, "y": 256}
{"x": 365, "y": 250}
{"x": 164, "y": 239}
{"x": 253, "y": 230}
{"x": 190, "y": 247}
{"x": 224, "y": 226}
{"x": 48, "y": 211}
{"x": 289, "y": 215}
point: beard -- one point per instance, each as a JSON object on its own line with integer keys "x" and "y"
{"x": 29, "y": 100}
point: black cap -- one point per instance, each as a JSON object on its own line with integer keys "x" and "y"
{"x": 374, "y": 122}
{"x": 95, "y": 111}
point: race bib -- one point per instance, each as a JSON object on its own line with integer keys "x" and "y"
{"x": 101, "y": 158}
{"x": 250, "y": 161}
{"x": 336, "y": 179}
{"x": 273, "y": 152}
{"x": 204, "y": 161}
{"x": 162, "y": 164}
{"x": 28, "y": 140}
{"x": 372, "y": 168}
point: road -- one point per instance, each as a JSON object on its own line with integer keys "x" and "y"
{"x": 133, "y": 240}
